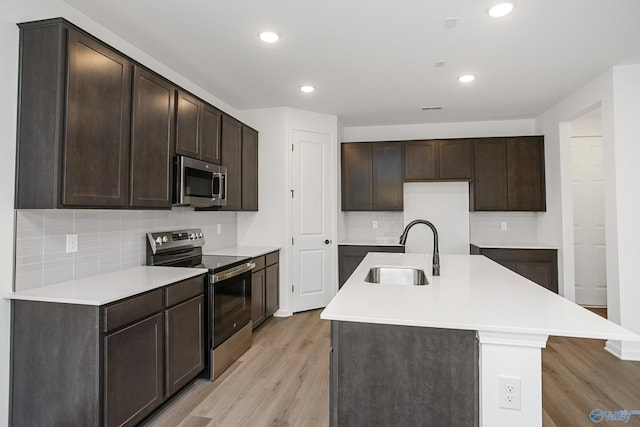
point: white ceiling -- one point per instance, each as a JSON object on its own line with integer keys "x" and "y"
{"x": 372, "y": 61}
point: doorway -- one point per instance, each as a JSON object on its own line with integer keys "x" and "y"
{"x": 587, "y": 173}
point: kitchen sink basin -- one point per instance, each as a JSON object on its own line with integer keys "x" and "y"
{"x": 397, "y": 276}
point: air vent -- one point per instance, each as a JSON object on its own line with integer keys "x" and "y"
{"x": 440, "y": 63}
{"x": 432, "y": 107}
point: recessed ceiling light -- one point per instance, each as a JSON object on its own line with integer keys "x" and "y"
{"x": 269, "y": 36}
{"x": 307, "y": 88}
{"x": 500, "y": 9}
{"x": 466, "y": 78}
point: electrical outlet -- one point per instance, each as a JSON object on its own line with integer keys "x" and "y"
{"x": 374, "y": 224}
{"x": 509, "y": 392}
{"x": 72, "y": 243}
{"x": 219, "y": 228}
{"x": 503, "y": 225}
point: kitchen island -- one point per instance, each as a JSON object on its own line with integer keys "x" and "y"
{"x": 510, "y": 316}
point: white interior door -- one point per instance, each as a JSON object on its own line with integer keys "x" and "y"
{"x": 588, "y": 221}
{"x": 313, "y": 250}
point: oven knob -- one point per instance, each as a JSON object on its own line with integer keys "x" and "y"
{"x": 164, "y": 239}
{"x": 200, "y": 235}
{"x": 158, "y": 240}
{"x": 192, "y": 236}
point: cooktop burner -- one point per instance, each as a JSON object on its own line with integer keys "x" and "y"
{"x": 217, "y": 263}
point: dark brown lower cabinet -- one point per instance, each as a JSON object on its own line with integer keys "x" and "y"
{"x": 538, "y": 265}
{"x": 350, "y": 256}
{"x": 133, "y": 360}
{"x": 265, "y": 288}
{"x": 109, "y": 365}
{"x": 389, "y": 375}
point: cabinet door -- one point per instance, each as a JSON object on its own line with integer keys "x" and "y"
{"x": 272, "y": 289}
{"x": 187, "y": 125}
{"x": 151, "y": 140}
{"x": 211, "y": 122}
{"x": 490, "y": 181}
{"x": 184, "y": 343}
{"x": 232, "y": 160}
{"x": 455, "y": 159}
{"x": 541, "y": 273}
{"x": 249, "y": 169}
{"x": 133, "y": 371}
{"x": 356, "y": 165}
{"x": 525, "y": 174}
{"x": 96, "y": 149}
{"x": 420, "y": 160}
{"x": 258, "y": 298}
{"x": 387, "y": 176}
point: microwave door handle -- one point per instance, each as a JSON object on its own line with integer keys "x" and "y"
{"x": 223, "y": 187}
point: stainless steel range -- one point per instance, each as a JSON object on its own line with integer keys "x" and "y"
{"x": 228, "y": 316}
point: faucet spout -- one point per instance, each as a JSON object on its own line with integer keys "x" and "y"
{"x": 436, "y": 253}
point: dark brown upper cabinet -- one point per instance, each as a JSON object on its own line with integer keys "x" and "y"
{"x": 152, "y": 127}
{"x": 198, "y": 129}
{"x": 509, "y": 174}
{"x": 438, "y": 160}
{"x": 96, "y": 130}
{"x": 73, "y": 120}
{"x": 372, "y": 176}
{"x": 232, "y": 160}
{"x": 249, "y": 169}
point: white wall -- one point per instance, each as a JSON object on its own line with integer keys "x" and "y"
{"x": 439, "y": 130}
{"x": 617, "y": 93}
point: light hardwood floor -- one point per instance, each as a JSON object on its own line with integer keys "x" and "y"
{"x": 283, "y": 380}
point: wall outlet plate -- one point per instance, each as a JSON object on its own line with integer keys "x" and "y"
{"x": 374, "y": 224}
{"x": 503, "y": 225}
{"x": 72, "y": 243}
{"x": 509, "y": 392}
{"x": 219, "y": 228}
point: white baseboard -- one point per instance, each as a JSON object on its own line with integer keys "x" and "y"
{"x": 624, "y": 351}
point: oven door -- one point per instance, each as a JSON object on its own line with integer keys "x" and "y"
{"x": 230, "y": 298}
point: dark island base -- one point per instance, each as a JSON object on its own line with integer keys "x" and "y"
{"x": 388, "y": 375}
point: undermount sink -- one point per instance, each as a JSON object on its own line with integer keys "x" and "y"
{"x": 397, "y": 276}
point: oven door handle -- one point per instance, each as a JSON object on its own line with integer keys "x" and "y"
{"x": 232, "y": 272}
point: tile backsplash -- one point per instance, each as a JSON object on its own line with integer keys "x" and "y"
{"x": 485, "y": 227}
{"x": 358, "y": 226}
{"x": 108, "y": 240}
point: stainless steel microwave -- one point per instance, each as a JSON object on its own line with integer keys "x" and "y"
{"x": 199, "y": 183}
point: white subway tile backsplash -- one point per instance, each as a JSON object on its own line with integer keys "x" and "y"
{"x": 108, "y": 240}
{"x": 522, "y": 227}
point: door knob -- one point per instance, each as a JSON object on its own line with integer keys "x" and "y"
{"x": 326, "y": 242}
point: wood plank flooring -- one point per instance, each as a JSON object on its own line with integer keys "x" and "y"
{"x": 283, "y": 380}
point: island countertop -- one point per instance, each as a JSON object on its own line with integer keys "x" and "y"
{"x": 472, "y": 293}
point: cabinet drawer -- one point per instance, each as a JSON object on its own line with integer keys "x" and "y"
{"x": 260, "y": 263}
{"x": 136, "y": 308}
{"x": 272, "y": 258}
{"x": 184, "y": 290}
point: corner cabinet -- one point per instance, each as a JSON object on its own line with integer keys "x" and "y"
{"x": 372, "y": 176}
{"x": 74, "y": 123}
{"x": 114, "y": 364}
{"x": 265, "y": 288}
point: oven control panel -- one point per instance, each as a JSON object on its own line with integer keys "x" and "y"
{"x": 172, "y": 240}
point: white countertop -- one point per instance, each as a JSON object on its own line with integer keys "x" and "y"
{"x": 379, "y": 242}
{"x": 250, "y": 251}
{"x": 472, "y": 293}
{"x": 109, "y": 287}
{"x": 525, "y": 245}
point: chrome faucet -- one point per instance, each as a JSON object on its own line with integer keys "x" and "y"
{"x": 436, "y": 252}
